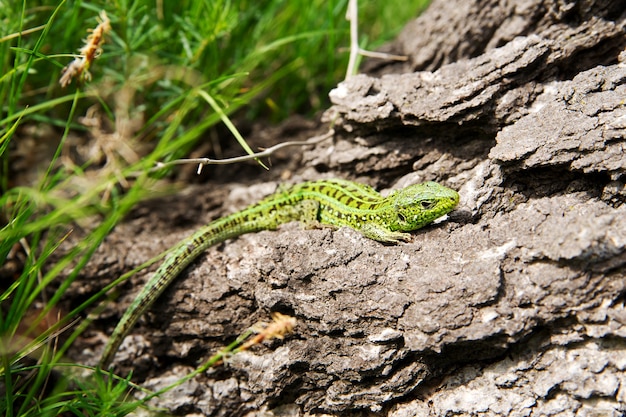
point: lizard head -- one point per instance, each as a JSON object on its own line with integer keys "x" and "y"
{"x": 417, "y": 205}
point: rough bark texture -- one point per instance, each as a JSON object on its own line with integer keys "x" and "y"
{"x": 514, "y": 306}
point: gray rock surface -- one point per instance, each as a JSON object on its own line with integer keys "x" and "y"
{"x": 513, "y": 306}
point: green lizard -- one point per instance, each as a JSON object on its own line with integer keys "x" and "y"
{"x": 332, "y": 202}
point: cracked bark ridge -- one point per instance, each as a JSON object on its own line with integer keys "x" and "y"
{"x": 512, "y": 307}
{"x": 452, "y": 31}
{"x": 492, "y": 69}
{"x": 465, "y": 92}
{"x": 578, "y": 123}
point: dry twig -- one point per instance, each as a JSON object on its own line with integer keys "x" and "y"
{"x": 352, "y": 14}
{"x": 265, "y": 153}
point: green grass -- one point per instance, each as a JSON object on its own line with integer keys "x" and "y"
{"x": 166, "y": 76}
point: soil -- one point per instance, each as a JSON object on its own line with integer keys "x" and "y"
{"x": 512, "y": 306}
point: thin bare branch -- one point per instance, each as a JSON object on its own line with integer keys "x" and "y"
{"x": 265, "y": 153}
{"x": 382, "y": 55}
{"x": 352, "y": 14}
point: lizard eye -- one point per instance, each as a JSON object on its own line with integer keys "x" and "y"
{"x": 427, "y": 204}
